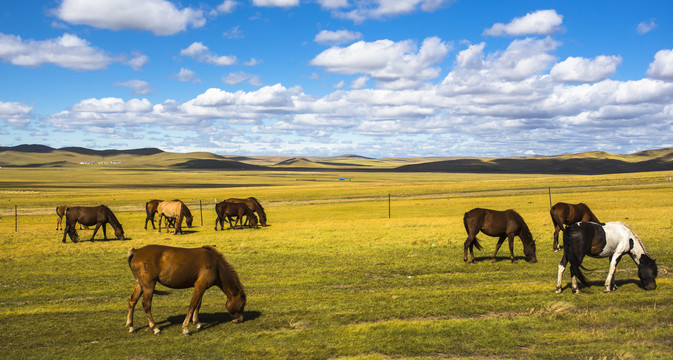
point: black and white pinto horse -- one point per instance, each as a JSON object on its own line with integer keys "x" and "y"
{"x": 613, "y": 240}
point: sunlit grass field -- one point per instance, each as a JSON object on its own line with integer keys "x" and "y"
{"x": 365, "y": 268}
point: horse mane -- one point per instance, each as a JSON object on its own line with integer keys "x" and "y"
{"x": 111, "y": 217}
{"x": 524, "y": 227}
{"x": 226, "y": 268}
{"x": 635, "y": 237}
{"x": 258, "y": 203}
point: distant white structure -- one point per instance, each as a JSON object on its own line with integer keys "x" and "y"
{"x": 114, "y": 162}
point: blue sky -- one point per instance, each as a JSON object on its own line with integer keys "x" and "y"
{"x": 378, "y": 78}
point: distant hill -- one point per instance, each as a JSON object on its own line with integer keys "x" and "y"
{"x": 594, "y": 162}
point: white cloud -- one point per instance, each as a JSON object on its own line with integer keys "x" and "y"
{"x": 157, "y": 16}
{"x": 186, "y": 75}
{"x": 662, "y": 66}
{"x": 360, "y": 82}
{"x": 583, "y": 70}
{"x": 381, "y": 9}
{"x": 227, "y": 6}
{"x": 139, "y": 87}
{"x": 338, "y": 37}
{"x": 239, "y": 77}
{"x": 646, "y": 26}
{"x": 541, "y": 22}
{"x": 68, "y": 51}
{"x": 15, "y": 113}
{"x": 201, "y": 53}
{"x": 233, "y": 33}
{"x": 391, "y": 64}
{"x": 333, "y": 4}
{"x": 138, "y": 61}
{"x": 275, "y": 3}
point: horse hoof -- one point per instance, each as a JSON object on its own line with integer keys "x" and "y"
{"x": 157, "y": 331}
{"x": 131, "y": 330}
{"x": 186, "y": 334}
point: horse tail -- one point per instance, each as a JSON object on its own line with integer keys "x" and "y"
{"x": 558, "y": 222}
{"x": 475, "y": 242}
{"x": 147, "y": 211}
{"x": 570, "y": 236}
{"x": 129, "y": 255}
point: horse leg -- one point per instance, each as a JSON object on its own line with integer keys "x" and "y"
{"x": 65, "y": 231}
{"x": 58, "y": 223}
{"x": 195, "y": 317}
{"x": 133, "y": 300}
{"x": 148, "y": 291}
{"x": 95, "y": 231}
{"x": 555, "y": 244}
{"x": 199, "y": 289}
{"x": 104, "y": 232}
{"x": 497, "y": 247}
{"x": 610, "y": 280}
{"x": 510, "y": 239}
{"x": 561, "y": 269}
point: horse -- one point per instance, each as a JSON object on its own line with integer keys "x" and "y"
{"x": 177, "y": 210}
{"x": 60, "y": 211}
{"x": 95, "y": 215}
{"x": 150, "y": 210}
{"x": 181, "y": 268}
{"x": 566, "y": 214}
{"x": 503, "y": 224}
{"x": 613, "y": 240}
{"x": 227, "y": 209}
{"x": 254, "y": 205}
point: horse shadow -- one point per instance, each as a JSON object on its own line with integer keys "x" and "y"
{"x": 208, "y": 320}
{"x": 499, "y": 258}
{"x": 601, "y": 284}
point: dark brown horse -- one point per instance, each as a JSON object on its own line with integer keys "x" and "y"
{"x": 96, "y": 215}
{"x": 181, "y": 268}
{"x": 503, "y": 224}
{"x": 228, "y": 210}
{"x": 177, "y": 211}
{"x": 254, "y": 205}
{"x": 565, "y": 214}
{"x": 60, "y": 212}
{"x": 151, "y": 209}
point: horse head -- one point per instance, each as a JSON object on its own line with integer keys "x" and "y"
{"x": 119, "y": 232}
{"x": 189, "y": 220}
{"x": 647, "y": 272}
{"x": 529, "y": 251}
{"x": 236, "y": 306}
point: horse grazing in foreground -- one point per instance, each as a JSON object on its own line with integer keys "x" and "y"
{"x": 181, "y": 268}
{"x": 176, "y": 210}
{"x": 502, "y": 224}
{"x": 566, "y": 214}
{"x": 254, "y": 205}
{"x": 228, "y": 210}
{"x": 613, "y": 240}
{"x": 96, "y": 215}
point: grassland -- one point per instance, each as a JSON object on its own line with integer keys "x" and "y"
{"x": 333, "y": 276}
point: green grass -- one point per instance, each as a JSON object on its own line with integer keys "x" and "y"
{"x": 333, "y": 276}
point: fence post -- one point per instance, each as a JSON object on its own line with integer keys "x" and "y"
{"x": 16, "y": 220}
{"x": 388, "y": 205}
{"x": 550, "y": 197}
{"x": 201, "y": 209}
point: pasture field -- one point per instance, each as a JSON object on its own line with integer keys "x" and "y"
{"x": 332, "y": 276}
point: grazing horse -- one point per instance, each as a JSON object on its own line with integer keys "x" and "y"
{"x": 150, "y": 209}
{"x": 254, "y": 205}
{"x": 227, "y": 209}
{"x": 613, "y": 240}
{"x": 176, "y": 210}
{"x": 96, "y": 215}
{"x": 503, "y": 224}
{"x": 566, "y": 214}
{"x": 181, "y": 268}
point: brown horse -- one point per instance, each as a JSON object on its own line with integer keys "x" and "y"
{"x": 181, "y": 268}
{"x": 176, "y": 210}
{"x": 151, "y": 209}
{"x": 254, "y": 205}
{"x": 566, "y": 214}
{"x": 96, "y": 215}
{"x": 60, "y": 211}
{"x": 503, "y": 224}
{"x": 227, "y": 210}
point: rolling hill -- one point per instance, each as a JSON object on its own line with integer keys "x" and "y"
{"x": 595, "y": 162}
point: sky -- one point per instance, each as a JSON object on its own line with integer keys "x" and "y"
{"x": 377, "y": 78}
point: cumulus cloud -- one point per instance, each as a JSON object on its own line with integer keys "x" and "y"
{"x": 160, "y": 17}
{"x": 580, "y": 70}
{"x": 15, "y": 113}
{"x": 138, "y": 61}
{"x": 541, "y": 22}
{"x": 338, "y": 37}
{"x": 646, "y": 26}
{"x": 227, "y": 6}
{"x": 139, "y": 87}
{"x": 662, "y": 66}
{"x": 186, "y": 75}
{"x": 239, "y": 77}
{"x": 276, "y": 3}
{"x": 68, "y": 51}
{"x": 382, "y": 9}
{"x": 391, "y": 64}
{"x": 201, "y": 53}
{"x": 333, "y": 4}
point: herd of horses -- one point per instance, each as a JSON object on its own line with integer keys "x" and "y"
{"x": 200, "y": 268}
